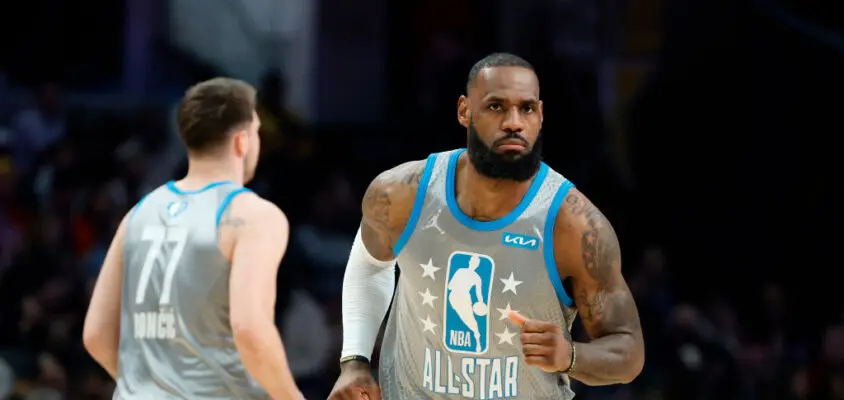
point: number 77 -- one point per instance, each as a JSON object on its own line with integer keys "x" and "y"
{"x": 158, "y": 235}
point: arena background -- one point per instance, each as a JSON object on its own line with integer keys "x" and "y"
{"x": 704, "y": 129}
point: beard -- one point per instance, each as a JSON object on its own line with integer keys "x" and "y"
{"x": 509, "y": 165}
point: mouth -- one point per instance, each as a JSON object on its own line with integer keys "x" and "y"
{"x": 511, "y": 145}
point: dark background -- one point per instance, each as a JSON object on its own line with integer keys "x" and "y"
{"x": 705, "y": 130}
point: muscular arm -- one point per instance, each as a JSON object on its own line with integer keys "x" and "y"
{"x": 587, "y": 250}
{"x": 386, "y": 208}
{"x": 101, "y": 333}
{"x": 369, "y": 281}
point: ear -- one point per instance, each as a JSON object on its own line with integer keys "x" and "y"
{"x": 541, "y": 112}
{"x": 464, "y": 115}
{"x": 241, "y": 142}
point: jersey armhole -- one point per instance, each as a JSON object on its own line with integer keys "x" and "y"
{"x": 548, "y": 243}
{"x": 226, "y": 201}
{"x": 417, "y": 205}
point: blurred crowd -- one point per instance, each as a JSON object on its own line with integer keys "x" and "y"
{"x": 69, "y": 173}
{"x": 66, "y": 181}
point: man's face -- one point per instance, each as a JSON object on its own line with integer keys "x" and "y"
{"x": 250, "y": 160}
{"x": 503, "y": 117}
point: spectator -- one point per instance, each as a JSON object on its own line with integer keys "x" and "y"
{"x": 36, "y": 128}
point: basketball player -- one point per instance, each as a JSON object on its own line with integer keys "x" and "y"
{"x": 493, "y": 212}
{"x": 183, "y": 307}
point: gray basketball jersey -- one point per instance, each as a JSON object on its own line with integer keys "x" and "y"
{"x": 448, "y": 335}
{"x": 176, "y": 341}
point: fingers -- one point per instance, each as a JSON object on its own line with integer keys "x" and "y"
{"x": 542, "y": 363}
{"x": 531, "y": 350}
{"x": 544, "y": 338}
{"x": 357, "y": 392}
{"x": 532, "y": 325}
{"x": 374, "y": 392}
{"x": 517, "y": 318}
{"x": 349, "y": 394}
{"x": 536, "y": 361}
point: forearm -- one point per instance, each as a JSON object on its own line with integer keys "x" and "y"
{"x": 608, "y": 360}
{"x": 368, "y": 287}
{"x": 262, "y": 353}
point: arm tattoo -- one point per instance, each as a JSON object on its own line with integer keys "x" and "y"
{"x": 385, "y": 205}
{"x": 592, "y": 307}
{"x": 231, "y": 221}
{"x": 377, "y": 200}
{"x": 615, "y": 353}
{"x": 599, "y": 245}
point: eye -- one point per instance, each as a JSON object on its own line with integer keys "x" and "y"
{"x": 528, "y": 108}
{"x": 495, "y": 107}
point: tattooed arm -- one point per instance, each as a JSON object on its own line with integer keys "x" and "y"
{"x": 587, "y": 250}
{"x": 386, "y": 208}
{"x": 369, "y": 281}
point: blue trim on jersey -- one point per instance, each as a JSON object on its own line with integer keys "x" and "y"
{"x": 172, "y": 186}
{"x": 137, "y": 206}
{"x": 417, "y": 205}
{"x": 498, "y": 223}
{"x": 548, "y": 243}
{"x": 226, "y": 201}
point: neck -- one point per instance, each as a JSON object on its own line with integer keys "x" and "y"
{"x": 483, "y": 198}
{"x": 204, "y": 171}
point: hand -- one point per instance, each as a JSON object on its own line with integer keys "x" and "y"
{"x": 355, "y": 383}
{"x": 543, "y": 344}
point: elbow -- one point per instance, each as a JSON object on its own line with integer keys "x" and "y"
{"x": 244, "y": 332}
{"x": 636, "y": 363}
{"x": 248, "y": 334}
{"x": 95, "y": 341}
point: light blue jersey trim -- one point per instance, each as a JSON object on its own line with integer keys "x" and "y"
{"x": 226, "y": 201}
{"x": 498, "y": 223}
{"x": 548, "y": 243}
{"x": 172, "y": 186}
{"x": 417, "y": 205}
{"x": 137, "y": 206}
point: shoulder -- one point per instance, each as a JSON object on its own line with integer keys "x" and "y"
{"x": 581, "y": 232}
{"x": 394, "y": 188}
{"x": 405, "y": 175}
{"x": 120, "y": 233}
{"x": 577, "y": 212}
{"x": 387, "y": 206}
{"x": 254, "y": 209}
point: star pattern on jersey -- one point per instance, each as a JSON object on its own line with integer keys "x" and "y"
{"x": 505, "y": 311}
{"x": 429, "y": 325}
{"x": 510, "y": 284}
{"x": 428, "y": 298}
{"x": 505, "y": 336}
{"x": 429, "y": 269}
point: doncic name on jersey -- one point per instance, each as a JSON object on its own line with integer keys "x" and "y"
{"x": 467, "y": 300}
{"x": 166, "y": 243}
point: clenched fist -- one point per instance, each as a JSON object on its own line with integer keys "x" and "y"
{"x": 543, "y": 344}
{"x": 355, "y": 383}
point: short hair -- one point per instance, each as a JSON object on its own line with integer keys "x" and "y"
{"x": 212, "y": 110}
{"x": 496, "y": 60}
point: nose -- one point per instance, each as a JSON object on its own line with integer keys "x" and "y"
{"x": 513, "y": 121}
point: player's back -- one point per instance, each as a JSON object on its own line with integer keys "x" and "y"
{"x": 176, "y": 340}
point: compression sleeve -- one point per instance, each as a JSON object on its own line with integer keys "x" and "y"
{"x": 368, "y": 287}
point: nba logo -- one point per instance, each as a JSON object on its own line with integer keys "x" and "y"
{"x": 467, "y": 295}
